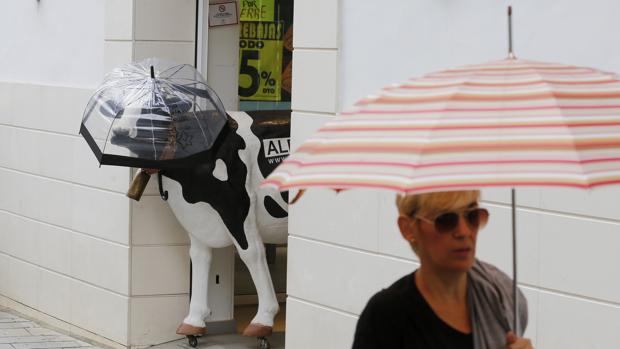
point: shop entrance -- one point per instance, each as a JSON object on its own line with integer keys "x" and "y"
{"x": 249, "y": 65}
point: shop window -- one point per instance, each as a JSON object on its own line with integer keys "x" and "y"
{"x": 265, "y": 54}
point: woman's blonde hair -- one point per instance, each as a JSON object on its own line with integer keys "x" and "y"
{"x": 428, "y": 204}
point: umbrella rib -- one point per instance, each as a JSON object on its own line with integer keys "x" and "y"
{"x": 433, "y": 128}
{"x": 107, "y": 137}
{"x": 151, "y": 120}
{"x": 192, "y": 81}
{"x": 91, "y": 106}
{"x": 177, "y": 67}
{"x": 562, "y": 115}
{"x": 195, "y": 104}
{"x": 137, "y": 97}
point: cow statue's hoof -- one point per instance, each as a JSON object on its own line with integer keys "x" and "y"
{"x": 192, "y": 333}
{"x": 187, "y": 330}
{"x": 263, "y": 343}
{"x": 192, "y": 341}
{"x": 257, "y": 330}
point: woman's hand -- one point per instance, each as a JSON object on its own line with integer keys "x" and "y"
{"x": 514, "y": 342}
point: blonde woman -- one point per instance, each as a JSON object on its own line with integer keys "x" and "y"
{"x": 452, "y": 300}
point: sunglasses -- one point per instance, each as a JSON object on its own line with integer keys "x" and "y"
{"x": 446, "y": 222}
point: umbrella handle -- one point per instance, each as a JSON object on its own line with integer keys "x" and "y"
{"x": 163, "y": 193}
{"x": 139, "y": 182}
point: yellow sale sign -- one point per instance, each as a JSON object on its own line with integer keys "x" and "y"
{"x": 260, "y": 61}
{"x": 257, "y": 11}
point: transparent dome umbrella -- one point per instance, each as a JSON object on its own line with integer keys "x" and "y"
{"x": 152, "y": 114}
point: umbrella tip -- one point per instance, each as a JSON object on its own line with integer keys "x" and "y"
{"x": 511, "y": 54}
{"x": 152, "y": 72}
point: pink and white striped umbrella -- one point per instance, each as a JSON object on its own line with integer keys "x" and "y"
{"x": 504, "y": 123}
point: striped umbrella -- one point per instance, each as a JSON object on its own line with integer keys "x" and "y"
{"x": 504, "y": 123}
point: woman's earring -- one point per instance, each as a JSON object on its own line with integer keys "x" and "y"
{"x": 413, "y": 244}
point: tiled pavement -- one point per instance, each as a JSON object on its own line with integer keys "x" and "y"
{"x": 19, "y": 333}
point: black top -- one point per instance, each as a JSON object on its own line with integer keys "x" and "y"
{"x": 399, "y": 317}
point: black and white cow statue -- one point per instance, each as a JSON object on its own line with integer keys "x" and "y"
{"x": 220, "y": 203}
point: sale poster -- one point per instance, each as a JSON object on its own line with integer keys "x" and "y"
{"x": 265, "y": 50}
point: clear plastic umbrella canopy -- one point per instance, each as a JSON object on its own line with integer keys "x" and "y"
{"x": 152, "y": 114}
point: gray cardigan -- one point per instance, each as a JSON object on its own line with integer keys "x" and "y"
{"x": 490, "y": 304}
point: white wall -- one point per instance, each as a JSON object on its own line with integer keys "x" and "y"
{"x": 381, "y": 44}
{"x": 58, "y": 42}
{"x": 72, "y": 246}
{"x": 345, "y": 247}
{"x": 64, "y": 242}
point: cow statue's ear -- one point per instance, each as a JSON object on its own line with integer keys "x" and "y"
{"x": 232, "y": 123}
{"x": 220, "y": 171}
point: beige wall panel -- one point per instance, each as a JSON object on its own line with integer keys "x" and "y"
{"x": 23, "y": 282}
{"x": 340, "y": 278}
{"x": 61, "y": 157}
{"x": 100, "y": 311}
{"x": 390, "y": 241}
{"x": 91, "y": 211}
{"x": 580, "y": 257}
{"x": 57, "y": 108}
{"x": 309, "y": 326}
{"x": 315, "y": 81}
{"x": 54, "y": 296}
{"x": 159, "y": 270}
{"x": 100, "y": 263}
{"x": 532, "y": 296}
{"x": 4, "y": 273}
{"x": 116, "y": 54}
{"x": 586, "y": 324}
{"x": 177, "y": 52}
{"x": 165, "y": 20}
{"x": 600, "y": 202}
{"x": 35, "y": 242}
{"x": 309, "y": 32}
{"x": 153, "y": 223}
{"x": 319, "y": 213}
{"x": 118, "y": 19}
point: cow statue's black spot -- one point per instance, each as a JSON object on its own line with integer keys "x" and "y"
{"x": 229, "y": 198}
{"x": 273, "y": 208}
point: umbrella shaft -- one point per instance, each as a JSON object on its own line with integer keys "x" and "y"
{"x": 509, "y": 30}
{"x": 515, "y": 317}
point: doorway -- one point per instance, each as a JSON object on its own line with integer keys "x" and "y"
{"x": 249, "y": 66}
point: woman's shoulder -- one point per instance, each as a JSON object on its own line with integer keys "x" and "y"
{"x": 393, "y": 295}
{"x": 380, "y": 324}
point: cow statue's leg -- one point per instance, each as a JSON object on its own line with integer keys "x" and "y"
{"x": 194, "y": 323}
{"x": 255, "y": 259}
